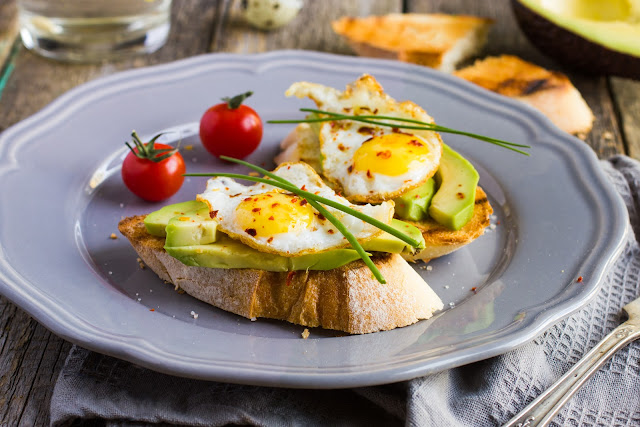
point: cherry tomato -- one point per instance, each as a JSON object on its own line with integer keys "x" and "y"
{"x": 153, "y": 171}
{"x": 231, "y": 128}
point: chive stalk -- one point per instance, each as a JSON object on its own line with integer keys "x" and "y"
{"x": 375, "y": 120}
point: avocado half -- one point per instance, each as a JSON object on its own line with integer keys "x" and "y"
{"x": 595, "y": 37}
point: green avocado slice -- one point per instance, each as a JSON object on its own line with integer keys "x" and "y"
{"x": 229, "y": 253}
{"x": 192, "y": 228}
{"x": 452, "y": 205}
{"x": 414, "y": 205}
{"x": 156, "y": 222}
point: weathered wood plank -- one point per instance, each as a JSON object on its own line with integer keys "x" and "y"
{"x": 310, "y": 30}
{"x": 626, "y": 96}
{"x": 39, "y": 80}
{"x": 506, "y": 38}
{"x": 8, "y": 30}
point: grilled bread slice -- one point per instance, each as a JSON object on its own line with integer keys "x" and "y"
{"x": 435, "y": 40}
{"x": 550, "y": 92}
{"x": 347, "y": 299}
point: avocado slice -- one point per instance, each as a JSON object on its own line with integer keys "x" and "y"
{"x": 192, "y": 228}
{"x": 229, "y": 253}
{"x": 592, "y": 36}
{"x": 452, "y": 205}
{"x": 414, "y": 205}
{"x": 157, "y": 221}
{"x": 386, "y": 242}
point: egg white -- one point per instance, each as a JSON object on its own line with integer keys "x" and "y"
{"x": 340, "y": 140}
{"x": 224, "y": 196}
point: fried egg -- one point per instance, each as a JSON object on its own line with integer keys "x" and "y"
{"x": 273, "y": 220}
{"x": 371, "y": 163}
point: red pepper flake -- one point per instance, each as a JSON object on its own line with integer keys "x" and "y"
{"x": 415, "y": 143}
{"x": 369, "y": 174}
{"x": 303, "y": 188}
{"x": 256, "y": 209}
{"x": 303, "y": 202}
{"x": 460, "y": 196}
{"x": 275, "y": 205}
{"x": 579, "y": 279}
{"x": 226, "y": 188}
{"x": 270, "y": 239}
{"x": 251, "y": 232}
{"x": 213, "y": 214}
{"x": 350, "y": 168}
{"x": 498, "y": 222}
{"x": 248, "y": 199}
{"x": 331, "y": 231}
{"x": 290, "y": 277}
{"x": 321, "y": 217}
{"x": 342, "y": 147}
{"x": 474, "y": 290}
{"x": 384, "y": 154}
{"x": 375, "y": 111}
{"x": 271, "y": 218}
{"x": 294, "y": 200}
{"x": 152, "y": 309}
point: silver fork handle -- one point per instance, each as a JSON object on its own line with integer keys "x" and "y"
{"x": 541, "y": 411}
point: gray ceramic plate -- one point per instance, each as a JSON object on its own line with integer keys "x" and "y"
{"x": 556, "y": 218}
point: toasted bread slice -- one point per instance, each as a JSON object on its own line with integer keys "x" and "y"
{"x": 440, "y": 240}
{"x": 434, "y": 40}
{"x": 347, "y": 299}
{"x": 550, "y": 92}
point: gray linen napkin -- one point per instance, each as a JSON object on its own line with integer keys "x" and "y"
{"x": 97, "y": 387}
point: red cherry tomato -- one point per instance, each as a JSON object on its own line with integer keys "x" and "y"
{"x": 153, "y": 171}
{"x": 230, "y": 128}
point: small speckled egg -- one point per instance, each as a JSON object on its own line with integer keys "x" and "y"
{"x": 270, "y": 14}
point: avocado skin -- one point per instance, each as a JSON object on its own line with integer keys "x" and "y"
{"x": 571, "y": 49}
{"x": 156, "y": 221}
{"x": 414, "y": 205}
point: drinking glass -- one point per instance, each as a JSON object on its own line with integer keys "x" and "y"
{"x": 93, "y": 30}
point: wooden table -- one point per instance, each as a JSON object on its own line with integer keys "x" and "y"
{"x": 30, "y": 356}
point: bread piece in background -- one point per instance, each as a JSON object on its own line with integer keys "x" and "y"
{"x": 550, "y": 92}
{"x": 434, "y": 40}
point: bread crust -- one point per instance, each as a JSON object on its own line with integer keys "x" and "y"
{"x": 550, "y": 92}
{"x": 347, "y": 299}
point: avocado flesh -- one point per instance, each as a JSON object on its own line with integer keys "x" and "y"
{"x": 414, "y": 205}
{"x": 591, "y": 36}
{"x": 612, "y": 23}
{"x": 385, "y": 242}
{"x": 192, "y": 228}
{"x": 157, "y": 221}
{"x": 229, "y": 253}
{"x": 452, "y": 205}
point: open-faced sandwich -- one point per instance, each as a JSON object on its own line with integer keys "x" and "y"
{"x": 324, "y": 239}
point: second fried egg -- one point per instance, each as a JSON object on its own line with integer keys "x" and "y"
{"x": 372, "y": 163}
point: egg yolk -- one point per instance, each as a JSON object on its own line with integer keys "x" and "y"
{"x": 273, "y": 213}
{"x": 390, "y": 154}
